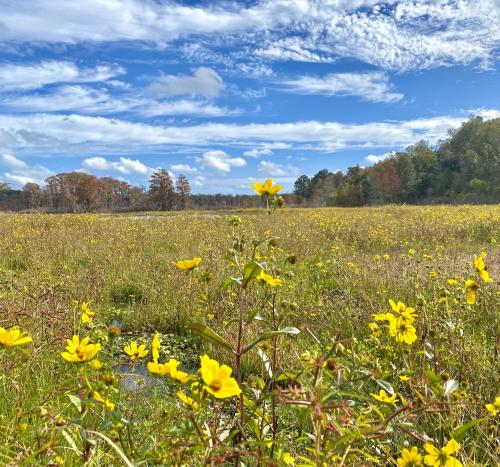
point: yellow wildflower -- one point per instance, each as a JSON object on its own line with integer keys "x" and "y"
{"x": 86, "y": 313}
{"x": 377, "y": 258}
{"x": 188, "y": 264}
{"x": 80, "y": 351}
{"x": 452, "y": 281}
{"x": 270, "y": 280}
{"x": 383, "y": 397}
{"x": 442, "y": 457}
{"x": 96, "y": 364}
{"x": 375, "y": 329}
{"x": 383, "y": 317}
{"x": 155, "y": 347}
{"x": 410, "y": 458}
{"x": 404, "y": 378}
{"x": 187, "y": 400}
{"x": 266, "y": 189}
{"x": 107, "y": 403}
{"x": 14, "y": 336}
{"x": 217, "y": 379}
{"x": 472, "y": 287}
{"x": 411, "y": 251}
{"x": 494, "y": 408}
{"x": 402, "y": 330}
{"x": 158, "y": 369}
{"x": 134, "y": 351}
{"x": 401, "y": 309}
{"x": 386, "y": 257}
{"x": 175, "y": 373}
{"x": 288, "y": 459}
{"x": 481, "y": 268}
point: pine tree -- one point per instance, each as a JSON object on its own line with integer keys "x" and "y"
{"x": 161, "y": 189}
{"x": 183, "y": 192}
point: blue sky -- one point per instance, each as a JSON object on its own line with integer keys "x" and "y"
{"x": 230, "y": 92}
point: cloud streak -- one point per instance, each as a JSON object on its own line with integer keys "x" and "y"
{"x": 370, "y": 86}
{"x": 28, "y": 76}
{"x": 55, "y": 131}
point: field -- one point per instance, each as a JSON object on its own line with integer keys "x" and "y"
{"x": 287, "y": 300}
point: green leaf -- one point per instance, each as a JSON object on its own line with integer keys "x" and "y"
{"x": 209, "y": 335}
{"x": 114, "y": 446}
{"x": 260, "y": 241}
{"x": 268, "y": 335}
{"x": 450, "y": 387}
{"x": 385, "y": 386}
{"x": 460, "y": 432}
{"x": 76, "y": 401}
{"x": 433, "y": 378}
{"x": 229, "y": 281}
{"x": 267, "y": 362}
{"x": 252, "y": 314}
{"x": 250, "y": 273}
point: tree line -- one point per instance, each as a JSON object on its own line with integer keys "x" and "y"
{"x": 465, "y": 167}
{"x": 81, "y": 192}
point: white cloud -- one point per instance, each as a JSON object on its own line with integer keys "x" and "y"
{"x": 66, "y": 98}
{"x": 204, "y": 82}
{"x": 369, "y": 86}
{"x": 15, "y": 76}
{"x": 292, "y": 48}
{"x": 98, "y": 101}
{"x": 257, "y": 152}
{"x": 220, "y": 161}
{"x": 183, "y": 168}
{"x": 13, "y": 162}
{"x": 20, "y": 173}
{"x": 255, "y": 70}
{"x": 185, "y": 107}
{"x": 124, "y": 165}
{"x": 374, "y": 158}
{"x": 277, "y": 170}
{"x": 401, "y": 35}
{"x": 199, "y": 181}
{"x": 55, "y": 132}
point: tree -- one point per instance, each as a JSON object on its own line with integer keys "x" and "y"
{"x": 161, "y": 189}
{"x": 32, "y": 195}
{"x": 302, "y": 186}
{"x": 4, "y": 186}
{"x": 183, "y": 190}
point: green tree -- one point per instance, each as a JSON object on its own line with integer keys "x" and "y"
{"x": 161, "y": 189}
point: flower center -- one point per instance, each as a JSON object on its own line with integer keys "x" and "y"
{"x": 216, "y": 384}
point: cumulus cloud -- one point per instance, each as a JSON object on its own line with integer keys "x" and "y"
{"x": 183, "y": 168}
{"x": 369, "y": 86}
{"x": 277, "y": 170}
{"x": 257, "y": 152}
{"x": 19, "y": 172}
{"x": 220, "y": 161}
{"x": 124, "y": 165}
{"x": 204, "y": 82}
{"x": 372, "y": 158}
{"x": 25, "y": 76}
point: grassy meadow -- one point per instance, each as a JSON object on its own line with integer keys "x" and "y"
{"x": 286, "y": 300}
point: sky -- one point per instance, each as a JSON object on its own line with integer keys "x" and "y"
{"x": 230, "y": 92}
